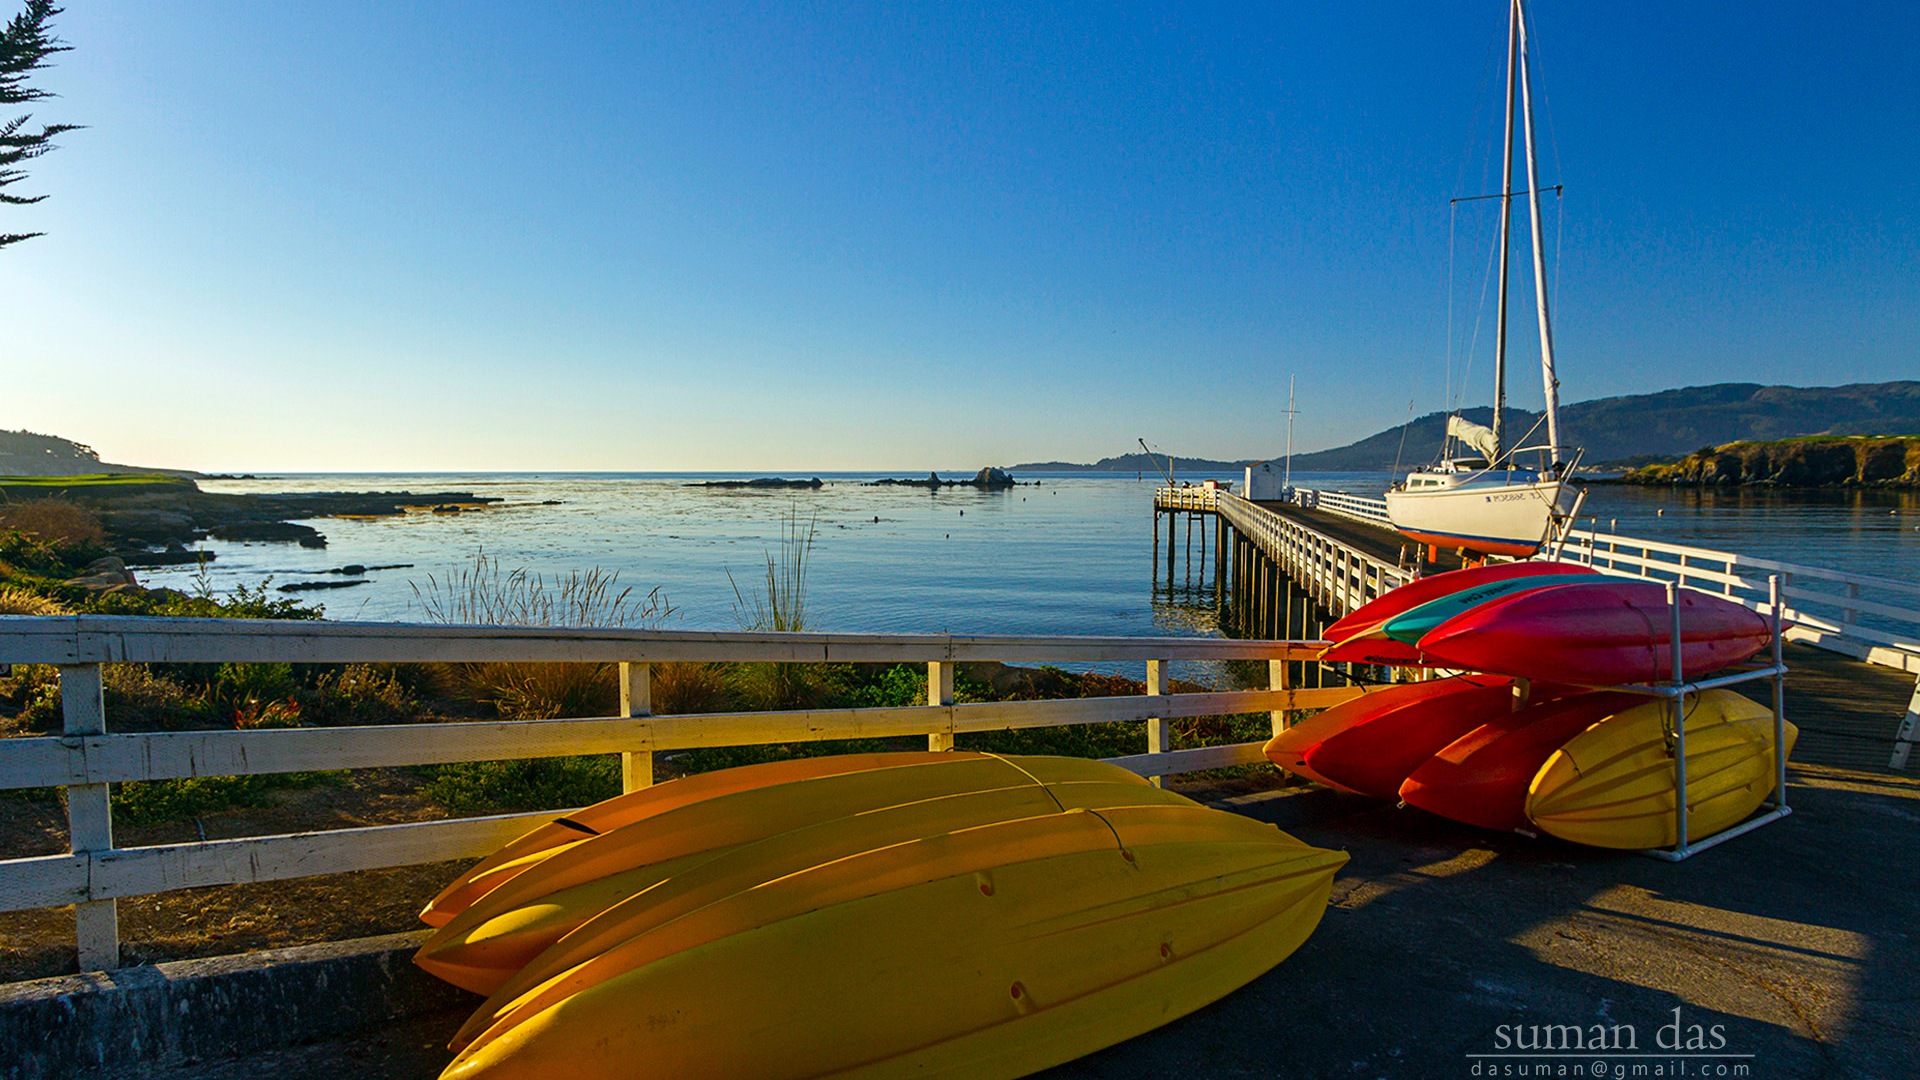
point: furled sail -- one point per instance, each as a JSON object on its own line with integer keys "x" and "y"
{"x": 1478, "y": 436}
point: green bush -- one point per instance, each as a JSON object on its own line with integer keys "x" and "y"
{"x": 360, "y": 694}
{"x": 151, "y": 802}
{"x": 493, "y": 787}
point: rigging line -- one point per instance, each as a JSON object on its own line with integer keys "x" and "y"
{"x": 1403, "y": 438}
{"x": 1476, "y": 198}
{"x": 1486, "y": 283}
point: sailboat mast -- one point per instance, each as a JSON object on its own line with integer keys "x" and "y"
{"x": 1506, "y": 229}
{"x": 1547, "y": 377}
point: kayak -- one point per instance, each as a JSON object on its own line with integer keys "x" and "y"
{"x": 570, "y": 829}
{"x": 1600, "y": 633}
{"x": 1613, "y": 785}
{"x": 1481, "y": 778}
{"x": 1289, "y": 748}
{"x": 990, "y": 951}
{"x": 1434, "y": 586}
{"x": 490, "y": 939}
{"x": 1374, "y": 755}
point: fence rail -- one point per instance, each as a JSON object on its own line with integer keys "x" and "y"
{"x": 87, "y": 758}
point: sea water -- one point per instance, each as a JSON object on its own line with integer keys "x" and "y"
{"x": 1058, "y": 554}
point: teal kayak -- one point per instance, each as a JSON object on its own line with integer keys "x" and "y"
{"x": 1412, "y": 625}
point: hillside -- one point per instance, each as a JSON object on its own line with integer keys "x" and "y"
{"x": 1666, "y": 425}
{"x": 1134, "y": 463}
{"x": 1848, "y": 461}
{"x": 24, "y": 453}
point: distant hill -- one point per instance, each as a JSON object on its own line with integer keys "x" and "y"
{"x": 1664, "y": 426}
{"x": 1134, "y": 463}
{"x": 24, "y": 453}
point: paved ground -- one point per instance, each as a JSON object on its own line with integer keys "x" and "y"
{"x": 1795, "y": 944}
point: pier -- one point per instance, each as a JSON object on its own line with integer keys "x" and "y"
{"x": 1285, "y": 569}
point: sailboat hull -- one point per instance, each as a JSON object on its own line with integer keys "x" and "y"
{"x": 1496, "y": 519}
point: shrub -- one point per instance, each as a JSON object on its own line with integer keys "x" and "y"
{"x": 362, "y": 694}
{"x": 682, "y": 688}
{"x": 54, "y": 521}
{"x": 543, "y": 691}
{"x": 491, "y": 787}
{"x": 141, "y": 699}
{"x": 149, "y": 802}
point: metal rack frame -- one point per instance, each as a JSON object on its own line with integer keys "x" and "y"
{"x": 1675, "y": 692}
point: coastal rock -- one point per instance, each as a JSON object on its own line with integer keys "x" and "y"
{"x": 987, "y": 479}
{"x": 762, "y": 482}
{"x": 272, "y": 532}
{"x": 106, "y": 575}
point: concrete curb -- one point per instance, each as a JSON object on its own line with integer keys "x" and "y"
{"x": 225, "y": 1006}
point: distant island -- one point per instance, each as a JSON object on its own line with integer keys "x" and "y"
{"x": 1622, "y": 432}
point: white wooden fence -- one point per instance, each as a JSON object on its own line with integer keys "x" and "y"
{"x": 88, "y": 756}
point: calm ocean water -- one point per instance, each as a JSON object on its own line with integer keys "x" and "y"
{"x": 1061, "y": 554}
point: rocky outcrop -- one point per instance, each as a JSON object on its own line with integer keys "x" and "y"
{"x": 1857, "y": 461}
{"x": 762, "y": 482}
{"x": 272, "y": 532}
{"x": 987, "y": 479}
{"x": 106, "y": 575}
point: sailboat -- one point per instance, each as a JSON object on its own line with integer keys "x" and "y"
{"x": 1480, "y": 499}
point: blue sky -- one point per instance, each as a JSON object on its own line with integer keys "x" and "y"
{"x": 595, "y": 236}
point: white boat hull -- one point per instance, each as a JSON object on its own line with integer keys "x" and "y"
{"x": 1492, "y": 518}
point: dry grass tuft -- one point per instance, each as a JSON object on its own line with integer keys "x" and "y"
{"x": 17, "y": 601}
{"x": 55, "y": 521}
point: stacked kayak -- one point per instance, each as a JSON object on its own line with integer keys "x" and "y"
{"x": 1519, "y": 732}
{"x": 948, "y": 914}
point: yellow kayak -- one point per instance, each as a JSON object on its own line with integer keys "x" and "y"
{"x": 491, "y": 948}
{"x": 607, "y": 815}
{"x": 1612, "y": 785}
{"x": 994, "y": 950}
{"x": 565, "y": 885}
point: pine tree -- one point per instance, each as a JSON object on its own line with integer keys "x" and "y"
{"x": 25, "y": 44}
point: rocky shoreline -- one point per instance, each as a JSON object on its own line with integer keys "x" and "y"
{"x": 151, "y": 524}
{"x": 1817, "y": 462}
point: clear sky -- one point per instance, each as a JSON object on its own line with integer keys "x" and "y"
{"x": 476, "y": 235}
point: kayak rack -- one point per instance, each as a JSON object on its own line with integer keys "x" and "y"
{"x": 1675, "y": 692}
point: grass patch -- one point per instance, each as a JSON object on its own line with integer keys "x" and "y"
{"x": 497, "y": 787}
{"x": 151, "y": 802}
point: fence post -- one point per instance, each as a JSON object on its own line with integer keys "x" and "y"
{"x": 636, "y": 699}
{"x": 1159, "y": 728}
{"x": 940, "y": 692}
{"x": 1280, "y": 677}
{"x": 1850, "y": 616}
{"x": 89, "y": 817}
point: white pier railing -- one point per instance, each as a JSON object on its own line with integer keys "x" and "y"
{"x": 1824, "y": 607}
{"x": 88, "y": 756}
{"x": 1341, "y": 577}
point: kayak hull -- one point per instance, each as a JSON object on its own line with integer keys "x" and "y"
{"x": 1612, "y": 786}
{"x": 1482, "y": 777}
{"x": 994, "y": 951}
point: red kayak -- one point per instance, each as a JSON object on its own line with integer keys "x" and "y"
{"x": 1369, "y": 737}
{"x": 1375, "y": 755}
{"x": 1289, "y": 748}
{"x": 1433, "y": 587}
{"x": 1481, "y": 778}
{"x": 1598, "y": 633}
